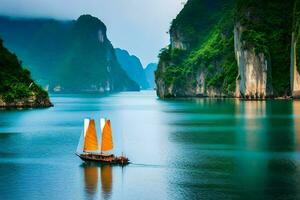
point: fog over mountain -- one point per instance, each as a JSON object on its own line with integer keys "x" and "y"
{"x": 137, "y": 26}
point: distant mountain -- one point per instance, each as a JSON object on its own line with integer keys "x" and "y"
{"x": 17, "y": 89}
{"x": 68, "y": 56}
{"x": 132, "y": 65}
{"x": 150, "y": 74}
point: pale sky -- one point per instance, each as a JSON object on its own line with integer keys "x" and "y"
{"x": 138, "y": 26}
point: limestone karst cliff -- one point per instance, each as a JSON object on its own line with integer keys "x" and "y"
{"x": 67, "y": 56}
{"x": 150, "y": 74}
{"x": 238, "y": 48}
{"x": 252, "y": 70}
{"x": 133, "y": 67}
{"x": 263, "y": 33}
{"x": 295, "y": 51}
{"x": 199, "y": 60}
{"x": 17, "y": 89}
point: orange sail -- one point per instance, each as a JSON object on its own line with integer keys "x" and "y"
{"x": 90, "y": 139}
{"x": 107, "y": 141}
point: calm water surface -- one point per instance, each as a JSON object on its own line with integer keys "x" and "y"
{"x": 183, "y": 149}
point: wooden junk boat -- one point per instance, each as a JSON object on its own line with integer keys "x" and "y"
{"x": 88, "y": 148}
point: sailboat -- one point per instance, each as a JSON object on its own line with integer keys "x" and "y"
{"x": 88, "y": 148}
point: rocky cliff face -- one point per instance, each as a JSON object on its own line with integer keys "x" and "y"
{"x": 67, "y": 56}
{"x": 194, "y": 85}
{"x": 244, "y": 52}
{"x": 28, "y": 102}
{"x": 97, "y": 60}
{"x": 133, "y": 67}
{"x": 262, "y": 40}
{"x": 17, "y": 89}
{"x": 178, "y": 41}
{"x": 149, "y": 72}
{"x": 295, "y": 53}
{"x": 200, "y": 58}
{"x": 295, "y": 76}
{"x": 162, "y": 89}
{"x": 252, "y": 81}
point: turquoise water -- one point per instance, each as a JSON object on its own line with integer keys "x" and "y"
{"x": 180, "y": 149}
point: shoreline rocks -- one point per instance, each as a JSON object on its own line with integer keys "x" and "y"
{"x": 31, "y": 102}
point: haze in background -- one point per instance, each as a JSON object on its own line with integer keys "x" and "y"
{"x": 138, "y": 26}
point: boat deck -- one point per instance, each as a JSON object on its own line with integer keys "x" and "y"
{"x": 108, "y": 159}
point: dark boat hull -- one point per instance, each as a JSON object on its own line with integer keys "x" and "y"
{"x": 104, "y": 159}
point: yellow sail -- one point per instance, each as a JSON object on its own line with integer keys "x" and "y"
{"x": 107, "y": 142}
{"x": 90, "y": 139}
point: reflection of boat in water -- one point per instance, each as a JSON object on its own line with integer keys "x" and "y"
{"x": 106, "y": 181}
{"x": 91, "y": 179}
{"x": 90, "y": 148}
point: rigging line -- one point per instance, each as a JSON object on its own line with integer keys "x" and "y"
{"x": 122, "y": 143}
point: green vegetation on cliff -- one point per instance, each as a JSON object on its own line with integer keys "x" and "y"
{"x": 216, "y": 44}
{"x": 15, "y": 81}
{"x": 216, "y": 57}
{"x": 60, "y": 53}
{"x": 210, "y": 50}
{"x": 296, "y": 30}
{"x": 268, "y": 29}
{"x": 196, "y": 19}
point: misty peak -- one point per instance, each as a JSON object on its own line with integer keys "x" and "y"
{"x": 90, "y": 22}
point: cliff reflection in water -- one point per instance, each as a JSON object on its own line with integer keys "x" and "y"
{"x": 265, "y": 159}
{"x": 92, "y": 174}
{"x": 267, "y": 125}
{"x": 296, "y": 111}
{"x": 253, "y": 121}
{"x": 237, "y": 149}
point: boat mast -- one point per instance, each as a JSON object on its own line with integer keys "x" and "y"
{"x": 122, "y": 143}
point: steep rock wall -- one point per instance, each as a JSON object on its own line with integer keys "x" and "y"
{"x": 133, "y": 67}
{"x": 177, "y": 40}
{"x": 295, "y": 76}
{"x": 59, "y": 53}
{"x": 17, "y": 89}
{"x": 253, "y": 70}
{"x": 295, "y": 53}
{"x": 244, "y": 52}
